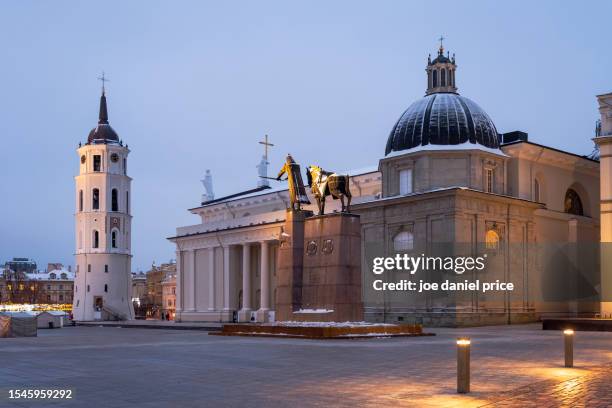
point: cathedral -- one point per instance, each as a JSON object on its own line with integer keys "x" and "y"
{"x": 448, "y": 183}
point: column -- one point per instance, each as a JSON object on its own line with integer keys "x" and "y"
{"x": 194, "y": 279}
{"x": 191, "y": 283}
{"x": 211, "y": 279}
{"x": 245, "y": 313}
{"x": 262, "y": 313}
{"x": 179, "y": 285}
{"x": 226, "y": 278}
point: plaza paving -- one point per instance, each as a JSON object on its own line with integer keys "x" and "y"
{"x": 121, "y": 367}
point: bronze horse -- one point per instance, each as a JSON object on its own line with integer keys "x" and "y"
{"x": 324, "y": 183}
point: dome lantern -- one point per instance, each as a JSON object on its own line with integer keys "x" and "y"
{"x": 441, "y": 72}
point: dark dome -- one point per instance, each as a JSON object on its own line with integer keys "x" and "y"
{"x": 442, "y": 119}
{"x": 103, "y": 133}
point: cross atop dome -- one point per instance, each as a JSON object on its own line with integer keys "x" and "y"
{"x": 441, "y": 72}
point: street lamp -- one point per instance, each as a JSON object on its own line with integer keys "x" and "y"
{"x": 463, "y": 365}
{"x": 568, "y": 335}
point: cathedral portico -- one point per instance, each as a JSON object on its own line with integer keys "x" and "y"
{"x": 227, "y": 275}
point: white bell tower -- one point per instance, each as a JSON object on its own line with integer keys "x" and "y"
{"x": 103, "y": 287}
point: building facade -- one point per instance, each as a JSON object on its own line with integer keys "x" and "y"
{"x": 103, "y": 226}
{"x": 448, "y": 183}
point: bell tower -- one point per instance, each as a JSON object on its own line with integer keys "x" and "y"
{"x": 103, "y": 287}
{"x": 441, "y": 72}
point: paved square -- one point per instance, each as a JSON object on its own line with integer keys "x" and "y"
{"x": 121, "y": 367}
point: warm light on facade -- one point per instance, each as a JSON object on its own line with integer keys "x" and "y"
{"x": 568, "y": 332}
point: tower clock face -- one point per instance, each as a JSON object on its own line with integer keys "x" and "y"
{"x": 83, "y": 159}
{"x": 114, "y": 157}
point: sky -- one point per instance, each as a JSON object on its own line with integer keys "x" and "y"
{"x": 196, "y": 85}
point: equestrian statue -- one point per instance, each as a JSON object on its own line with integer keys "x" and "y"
{"x": 324, "y": 183}
{"x": 297, "y": 192}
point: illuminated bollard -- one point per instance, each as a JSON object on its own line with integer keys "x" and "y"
{"x": 569, "y": 347}
{"x": 463, "y": 365}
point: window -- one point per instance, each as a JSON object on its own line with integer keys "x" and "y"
{"x": 80, "y": 200}
{"x": 97, "y": 162}
{"x": 61, "y": 287}
{"x": 435, "y": 79}
{"x": 61, "y": 298}
{"x": 492, "y": 240}
{"x": 127, "y": 202}
{"x": 405, "y": 180}
{"x": 105, "y": 287}
{"x": 124, "y": 166}
{"x": 48, "y": 287}
{"x": 106, "y": 268}
{"x": 63, "y": 276}
{"x": 76, "y": 288}
{"x": 88, "y": 288}
{"x": 88, "y": 267}
{"x": 52, "y": 276}
{"x": 95, "y": 199}
{"x": 169, "y": 303}
{"x": 114, "y": 239}
{"x": 403, "y": 241}
{"x": 114, "y": 200}
{"x": 536, "y": 190}
{"x": 443, "y": 77}
{"x": 49, "y": 298}
{"x": 489, "y": 180}
{"x": 96, "y": 239}
{"x": 573, "y": 203}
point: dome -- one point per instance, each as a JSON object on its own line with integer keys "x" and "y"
{"x": 103, "y": 133}
{"x": 442, "y": 119}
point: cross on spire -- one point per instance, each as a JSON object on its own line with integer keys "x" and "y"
{"x": 441, "y": 39}
{"x": 103, "y": 79}
{"x": 266, "y": 144}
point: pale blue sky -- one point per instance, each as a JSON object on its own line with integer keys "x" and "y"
{"x": 195, "y": 85}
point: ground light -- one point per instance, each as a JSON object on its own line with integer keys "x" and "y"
{"x": 568, "y": 336}
{"x": 463, "y": 365}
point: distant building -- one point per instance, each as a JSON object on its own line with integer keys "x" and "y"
{"x": 139, "y": 294}
{"x": 169, "y": 295}
{"x": 24, "y": 265}
{"x": 55, "y": 287}
{"x": 155, "y": 277}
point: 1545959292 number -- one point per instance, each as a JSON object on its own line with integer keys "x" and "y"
{"x": 40, "y": 394}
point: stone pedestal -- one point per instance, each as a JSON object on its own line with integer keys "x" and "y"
{"x": 319, "y": 269}
{"x": 290, "y": 265}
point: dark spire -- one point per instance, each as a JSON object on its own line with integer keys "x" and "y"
{"x": 103, "y": 118}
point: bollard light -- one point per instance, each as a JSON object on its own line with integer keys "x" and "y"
{"x": 463, "y": 365}
{"x": 568, "y": 335}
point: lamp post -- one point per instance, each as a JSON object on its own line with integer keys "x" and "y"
{"x": 463, "y": 365}
{"x": 568, "y": 336}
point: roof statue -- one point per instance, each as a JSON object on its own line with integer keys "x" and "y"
{"x": 207, "y": 182}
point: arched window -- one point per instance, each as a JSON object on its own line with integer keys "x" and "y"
{"x": 443, "y": 77}
{"x": 573, "y": 203}
{"x": 114, "y": 238}
{"x": 536, "y": 190}
{"x": 52, "y": 276}
{"x": 95, "y": 239}
{"x": 114, "y": 200}
{"x": 105, "y": 287}
{"x": 492, "y": 240}
{"x": 435, "y": 79}
{"x": 64, "y": 276}
{"x": 95, "y": 199}
{"x": 80, "y": 200}
{"x": 403, "y": 241}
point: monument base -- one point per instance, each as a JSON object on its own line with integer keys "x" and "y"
{"x": 319, "y": 269}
